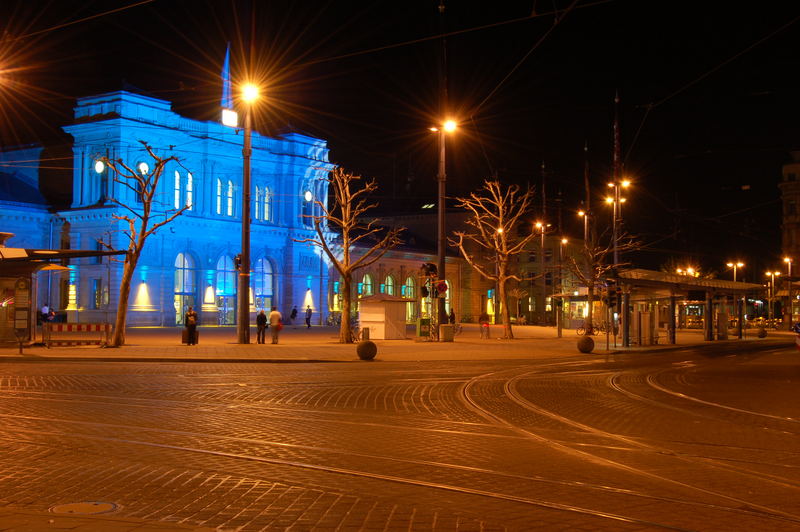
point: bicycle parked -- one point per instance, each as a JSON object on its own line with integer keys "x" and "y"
{"x": 602, "y": 328}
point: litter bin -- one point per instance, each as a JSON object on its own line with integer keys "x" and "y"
{"x": 446, "y": 333}
{"x": 423, "y": 327}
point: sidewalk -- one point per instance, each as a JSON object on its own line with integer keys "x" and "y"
{"x": 320, "y": 344}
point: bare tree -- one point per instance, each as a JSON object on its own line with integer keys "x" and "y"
{"x": 349, "y": 204}
{"x": 495, "y": 215}
{"x": 593, "y": 264}
{"x": 139, "y": 219}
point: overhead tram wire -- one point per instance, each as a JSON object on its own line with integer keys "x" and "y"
{"x": 652, "y": 105}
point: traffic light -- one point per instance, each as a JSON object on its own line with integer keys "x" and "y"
{"x": 429, "y": 269}
{"x": 237, "y": 262}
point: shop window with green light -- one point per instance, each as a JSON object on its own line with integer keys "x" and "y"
{"x": 409, "y": 291}
{"x": 389, "y": 285}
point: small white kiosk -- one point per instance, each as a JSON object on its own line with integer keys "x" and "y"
{"x": 384, "y": 316}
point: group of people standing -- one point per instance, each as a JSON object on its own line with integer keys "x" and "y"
{"x": 273, "y": 321}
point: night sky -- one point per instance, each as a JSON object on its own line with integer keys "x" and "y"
{"x": 709, "y": 106}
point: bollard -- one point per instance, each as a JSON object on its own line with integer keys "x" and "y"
{"x": 585, "y": 344}
{"x": 366, "y": 350}
{"x": 762, "y": 332}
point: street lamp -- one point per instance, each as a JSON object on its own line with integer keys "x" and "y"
{"x": 448, "y": 126}
{"x": 735, "y": 266}
{"x": 249, "y": 96}
{"x": 585, "y": 215}
{"x": 617, "y": 202}
{"x": 771, "y": 292}
{"x": 790, "y": 306}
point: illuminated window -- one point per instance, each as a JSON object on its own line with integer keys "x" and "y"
{"x": 184, "y": 289}
{"x": 409, "y": 291}
{"x": 190, "y": 191}
{"x": 177, "y": 190}
{"x": 389, "y": 285}
{"x": 265, "y": 205}
{"x": 258, "y": 211}
{"x": 219, "y": 196}
{"x": 367, "y": 289}
{"x": 229, "y": 199}
{"x": 226, "y": 276}
{"x": 264, "y": 281}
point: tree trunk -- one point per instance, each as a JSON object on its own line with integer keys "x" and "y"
{"x": 118, "y": 338}
{"x": 505, "y": 312}
{"x": 345, "y": 333}
{"x": 589, "y": 324}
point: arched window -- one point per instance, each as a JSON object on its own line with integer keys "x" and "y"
{"x": 229, "y": 199}
{"x": 225, "y": 291}
{"x": 190, "y": 191}
{"x": 409, "y": 291}
{"x": 219, "y": 196}
{"x": 389, "y": 285}
{"x": 366, "y": 285}
{"x": 177, "y": 201}
{"x": 264, "y": 281}
{"x": 184, "y": 290}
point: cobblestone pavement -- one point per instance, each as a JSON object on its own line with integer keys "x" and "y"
{"x": 687, "y": 440}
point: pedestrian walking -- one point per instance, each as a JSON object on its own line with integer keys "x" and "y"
{"x": 309, "y": 312}
{"x": 190, "y": 322}
{"x": 275, "y": 324}
{"x": 483, "y": 320}
{"x": 261, "y": 326}
{"x": 293, "y": 316}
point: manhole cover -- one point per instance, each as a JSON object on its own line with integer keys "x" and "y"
{"x": 84, "y": 508}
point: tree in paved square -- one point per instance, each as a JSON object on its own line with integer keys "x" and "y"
{"x": 346, "y": 216}
{"x": 494, "y": 240}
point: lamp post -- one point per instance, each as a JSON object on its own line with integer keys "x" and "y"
{"x": 541, "y": 226}
{"x": 739, "y": 304}
{"x": 735, "y": 266}
{"x": 585, "y": 215}
{"x": 249, "y": 96}
{"x": 617, "y": 200}
{"x": 771, "y": 292}
{"x": 447, "y": 127}
{"x": 789, "y": 300}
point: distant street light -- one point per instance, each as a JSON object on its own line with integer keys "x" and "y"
{"x": 790, "y": 301}
{"x": 585, "y": 215}
{"x": 735, "y": 266}
{"x": 771, "y": 292}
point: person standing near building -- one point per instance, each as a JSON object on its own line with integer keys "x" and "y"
{"x": 275, "y": 324}
{"x": 190, "y": 322}
{"x": 309, "y": 312}
{"x": 452, "y": 316}
{"x": 261, "y": 326}
{"x": 45, "y": 312}
{"x": 293, "y": 315}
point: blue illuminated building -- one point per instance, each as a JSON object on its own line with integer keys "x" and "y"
{"x": 191, "y": 260}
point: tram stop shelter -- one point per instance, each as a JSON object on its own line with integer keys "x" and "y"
{"x": 18, "y": 287}
{"x": 384, "y": 316}
{"x": 655, "y": 304}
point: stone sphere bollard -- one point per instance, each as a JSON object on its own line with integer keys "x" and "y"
{"x": 366, "y": 350}
{"x": 762, "y": 332}
{"x": 585, "y": 344}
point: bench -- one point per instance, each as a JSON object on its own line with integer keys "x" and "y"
{"x": 72, "y": 334}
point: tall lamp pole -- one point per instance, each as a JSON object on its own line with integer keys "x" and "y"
{"x": 790, "y": 306}
{"x": 739, "y": 306}
{"x": 771, "y": 293}
{"x": 447, "y": 127}
{"x": 249, "y": 95}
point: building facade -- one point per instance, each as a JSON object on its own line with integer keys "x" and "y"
{"x": 191, "y": 261}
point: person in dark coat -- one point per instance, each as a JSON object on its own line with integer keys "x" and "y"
{"x": 309, "y": 312}
{"x": 452, "y": 317}
{"x": 190, "y": 321}
{"x": 293, "y": 315}
{"x": 261, "y": 325}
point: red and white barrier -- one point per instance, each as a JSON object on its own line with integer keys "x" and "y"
{"x": 72, "y": 334}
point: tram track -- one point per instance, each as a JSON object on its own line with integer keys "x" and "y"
{"x": 510, "y": 391}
